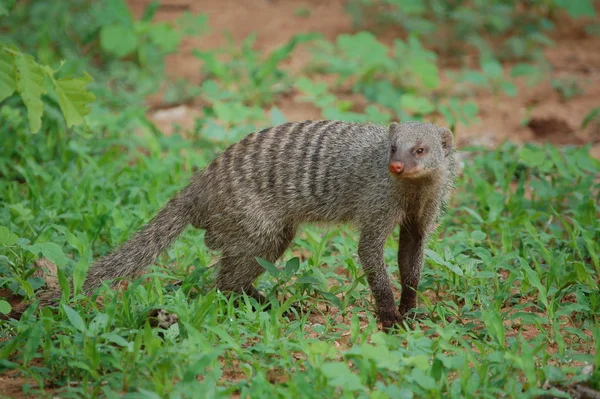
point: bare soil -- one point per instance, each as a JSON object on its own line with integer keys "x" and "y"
{"x": 535, "y": 114}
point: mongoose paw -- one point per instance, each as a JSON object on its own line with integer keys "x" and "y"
{"x": 390, "y": 321}
{"x": 410, "y": 316}
{"x": 407, "y": 311}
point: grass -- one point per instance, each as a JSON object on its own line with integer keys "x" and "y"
{"x": 509, "y": 296}
{"x": 508, "y": 302}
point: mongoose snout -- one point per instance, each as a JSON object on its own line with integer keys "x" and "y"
{"x": 396, "y": 167}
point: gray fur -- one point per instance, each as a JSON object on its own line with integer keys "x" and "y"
{"x": 252, "y": 198}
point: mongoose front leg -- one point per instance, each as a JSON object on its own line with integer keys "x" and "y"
{"x": 370, "y": 252}
{"x": 410, "y": 261}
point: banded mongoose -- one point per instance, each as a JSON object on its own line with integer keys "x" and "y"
{"x": 252, "y": 198}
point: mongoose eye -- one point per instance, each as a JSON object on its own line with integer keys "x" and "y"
{"x": 393, "y": 148}
{"x": 420, "y": 151}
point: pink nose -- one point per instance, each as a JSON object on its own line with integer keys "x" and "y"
{"x": 396, "y": 167}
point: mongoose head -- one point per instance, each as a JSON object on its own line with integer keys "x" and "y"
{"x": 418, "y": 150}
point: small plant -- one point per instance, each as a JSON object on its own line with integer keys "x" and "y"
{"x": 499, "y": 29}
{"x": 567, "y": 87}
{"x": 404, "y": 82}
{"x": 246, "y": 76}
{"x": 21, "y": 75}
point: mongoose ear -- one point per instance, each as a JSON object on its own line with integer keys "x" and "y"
{"x": 393, "y": 127}
{"x": 447, "y": 140}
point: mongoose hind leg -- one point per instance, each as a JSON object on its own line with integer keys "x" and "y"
{"x": 237, "y": 272}
{"x": 410, "y": 261}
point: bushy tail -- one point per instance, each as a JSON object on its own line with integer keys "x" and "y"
{"x": 139, "y": 251}
{"x": 143, "y": 248}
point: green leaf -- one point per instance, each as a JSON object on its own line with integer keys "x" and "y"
{"x": 339, "y": 375}
{"x": 428, "y": 72}
{"x": 292, "y": 266}
{"x": 417, "y": 104}
{"x": 191, "y": 24}
{"x": 534, "y": 279}
{"x": 425, "y": 381}
{"x": 74, "y": 318}
{"x": 583, "y": 275}
{"x": 52, "y": 251}
{"x": 533, "y": 157}
{"x": 8, "y": 74}
{"x": 7, "y": 238}
{"x": 5, "y": 307}
{"x": 33, "y": 342}
{"x": 593, "y": 114}
{"x": 116, "y": 339}
{"x": 478, "y": 235}
{"x": 80, "y": 270}
{"x": 495, "y": 327}
{"x": 578, "y": 8}
{"x": 74, "y": 98}
{"x": 436, "y": 258}
{"x": 492, "y": 68}
{"x": 118, "y": 40}
{"x": 30, "y": 83}
{"x": 276, "y": 116}
{"x": 165, "y": 37}
{"x": 269, "y": 267}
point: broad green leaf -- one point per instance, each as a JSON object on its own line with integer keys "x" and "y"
{"x": 7, "y": 238}
{"x": 268, "y": 266}
{"x": 5, "y": 307}
{"x": 74, "y": 318}
{"x": 492, "y": 69}
{"x": 8, "y": 74}
{"x": 118, "y": 39}
{"x": 532, "y": 156}
{"x": 164, "y": 36}
{"x": 578, "y": 8}
{"x": 339, "y": 375}
{"x": 424, "y": 380}
{"x": 428, "y": 71}
{"x": 478, "y": 235}
{"x": 436, "y": 258}
{"x": 30, "y": 83}
{"x": 583, "y": 275}
{"x": 333, "y": 299}
{"x": 52, "y": 251}
{"x": 116, "y": 339}
{"x": 417, "y": 104}
{"x": 74, "y": 98}
{"x": 277, "y": 117}
{"x": 191, "y": 24}
{"x": 292, "y": 266}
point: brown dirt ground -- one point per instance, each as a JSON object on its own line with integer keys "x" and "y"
{"x": 574, "y": 55}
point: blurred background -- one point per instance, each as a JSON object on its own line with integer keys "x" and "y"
{"x": 491, "y": 69}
